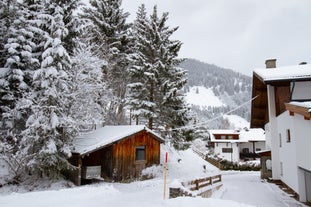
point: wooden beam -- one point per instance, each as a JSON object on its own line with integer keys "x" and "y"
{"x": 292, "y": 108}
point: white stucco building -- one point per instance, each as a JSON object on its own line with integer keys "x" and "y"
{"x": 282, "y": 107}
{"x": 235, "y": 145}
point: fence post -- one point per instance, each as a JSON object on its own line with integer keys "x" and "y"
{"x": 197, "y": 184}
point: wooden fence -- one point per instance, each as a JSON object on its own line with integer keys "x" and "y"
{"x": 197, "y": 187}
{"x": 210, "y": 160}
{"x": 201, "y": 183}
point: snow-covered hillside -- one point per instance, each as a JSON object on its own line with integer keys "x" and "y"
{"x": 236, "y": 122}
{"x": 203, "y": 97}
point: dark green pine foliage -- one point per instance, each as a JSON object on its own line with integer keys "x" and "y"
{"x": 20, "y": 61}
{"x": 141, "y": 74}
{"x": 50, "y": 130}
{"x": 155, "y": 91}
{"x": 108, "y": 32}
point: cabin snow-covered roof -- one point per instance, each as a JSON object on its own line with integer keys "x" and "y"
{"x": 91, "y": 141}
{"x": 287, "y": 73}
{"x": 248, "y": 135}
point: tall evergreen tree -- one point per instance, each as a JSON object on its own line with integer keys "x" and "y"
{"x": 21, "y": 60}
{"x": 109, "y": 34}
{"x": 155, "y": 91}
{"x": 50, "y": 129}
{"x": 141, "y": 74}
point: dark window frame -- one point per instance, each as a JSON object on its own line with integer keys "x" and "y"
{"x": 227, "y": 150}
{"x": 140, "y": 153}
{"x": 288, "y": 138}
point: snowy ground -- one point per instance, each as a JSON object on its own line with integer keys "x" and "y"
{"x": 241, "y": 189}
{"x": 248, "y": 188}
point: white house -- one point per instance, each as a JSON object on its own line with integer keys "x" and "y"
{"x": 235, "y": 145}
{"x": 282, "y": 107}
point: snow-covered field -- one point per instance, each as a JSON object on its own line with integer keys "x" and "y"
{"x": 203, "y": 97}
{"x": 236, "y": 121}
{"x": 241, "y": 189}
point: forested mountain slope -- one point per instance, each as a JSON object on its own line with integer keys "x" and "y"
{"x": 232, "y": 88}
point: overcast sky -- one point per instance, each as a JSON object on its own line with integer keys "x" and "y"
{"x": 238, "y": 34}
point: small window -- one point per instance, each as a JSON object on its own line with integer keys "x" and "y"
{"x": 280, "y": 139}
{"x": 226, "y": 150}
{"x": 230, "y": 137}
{"x": 140, "y": 152}
{"x": 288, "y": 135}
{"x": 258, "y": 149}
{"x": 245, "y": 150}
{"x": 223, "y": 137}
{"x": 281, "y": 168}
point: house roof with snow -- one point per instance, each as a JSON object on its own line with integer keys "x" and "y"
{"x": 107, "y": 135}
{"x": 288, "y": 73}
{"x": 280, "y": 77}
{"x": 244, "y": 135}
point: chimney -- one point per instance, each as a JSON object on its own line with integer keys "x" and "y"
{"x": 271, "y": 63}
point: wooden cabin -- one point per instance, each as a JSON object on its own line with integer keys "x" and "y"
{"x": 114, "y": 153}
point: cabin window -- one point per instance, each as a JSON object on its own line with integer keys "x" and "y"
{"x": 223, "y": 137}
{"x": 280, "y": 140}
{"x": 226, "y": 150}
{"x": 230, "y": 137}
{"x": 141, "y": 153}
{"x": 281, "y": 168}
{"x": 288, "y": 135}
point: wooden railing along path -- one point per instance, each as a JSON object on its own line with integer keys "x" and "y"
{"x": 200, "y": 187}
{"x": 205, "y": 157}
{"x": 201, "y": 183}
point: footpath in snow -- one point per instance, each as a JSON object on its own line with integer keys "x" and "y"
{"x": 248, "y": 188}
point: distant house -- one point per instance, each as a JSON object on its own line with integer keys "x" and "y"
{"x": 237, "y": 145}
{"x": 282, "y": 107}
{"x": 114, "y": 153}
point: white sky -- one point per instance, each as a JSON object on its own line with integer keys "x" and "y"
{"x": 239, "y": 34}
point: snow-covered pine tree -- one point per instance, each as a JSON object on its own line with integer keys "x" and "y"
{"x": 141, "y": 73}
{"x": 49, "y": 128}
{"x": 109, "y": 34}
{"x": 155, "y": 91}
{"x": 20, "y": 62}
{"x": 88, "y": 88}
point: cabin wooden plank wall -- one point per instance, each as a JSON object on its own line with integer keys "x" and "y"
{"x": 107, "y": 162}
{"x": 125, "y": 165}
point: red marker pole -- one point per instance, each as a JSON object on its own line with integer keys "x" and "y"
{"x": 165, "y": 169}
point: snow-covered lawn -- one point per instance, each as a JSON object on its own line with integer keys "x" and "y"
{"x": 241, "y": 189}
